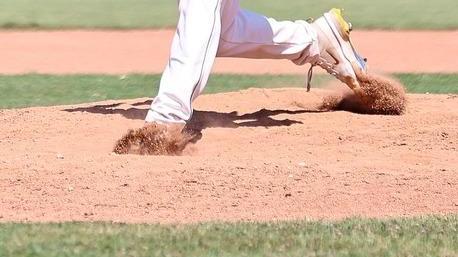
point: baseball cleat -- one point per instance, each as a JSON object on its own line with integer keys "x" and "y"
{"x": 337, "y": 54}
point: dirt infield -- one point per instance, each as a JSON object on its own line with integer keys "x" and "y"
{"x": 115, "y": 52}
{"x": 278, "y": 158}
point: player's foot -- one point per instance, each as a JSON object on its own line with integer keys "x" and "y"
{"x": 187, "y": 129}
{"x": 337, "y": 54}
{"x": 169, "y": 126}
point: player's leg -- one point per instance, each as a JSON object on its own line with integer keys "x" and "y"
{"x": 325, "y": 43}
{"x": 245, "y": 34}
{"x": 250, "y": 35}
{"x": 192, "y": 55}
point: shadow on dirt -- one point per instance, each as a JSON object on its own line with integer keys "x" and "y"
{"x": 203, "y": 119}
{"x": 130, "y": 113}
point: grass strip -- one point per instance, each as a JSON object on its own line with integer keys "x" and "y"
{"x": 426, "y": 236}
{"x": 45, "y": 90}
{"x": 138, "y": 14}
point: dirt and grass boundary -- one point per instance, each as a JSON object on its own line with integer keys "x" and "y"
{"x": 29, "y": 90}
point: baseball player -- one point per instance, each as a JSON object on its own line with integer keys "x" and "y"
{"x": 220, "y": 28}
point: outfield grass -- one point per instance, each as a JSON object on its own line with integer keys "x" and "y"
{"x": 428, "y": 236}
{"x": 122, "y": 14}
{"x": 44, "y": 90}
{"x": 430, "y": 83}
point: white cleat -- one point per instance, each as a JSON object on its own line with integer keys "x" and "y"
{"x": 337, "y": 54}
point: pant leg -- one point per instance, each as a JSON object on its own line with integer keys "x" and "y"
{"x": 193, "y": 52}
{"x": 198, "y": 40}
{"x": 250, "y": 35}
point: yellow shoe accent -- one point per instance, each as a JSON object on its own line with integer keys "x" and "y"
{"x": 344, "y": 25}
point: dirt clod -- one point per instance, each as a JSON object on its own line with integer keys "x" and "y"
{"x": 382, "y": 96}
{"x": 153, "y": 139}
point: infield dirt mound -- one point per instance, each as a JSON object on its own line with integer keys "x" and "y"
{"x": 262, "y": 155}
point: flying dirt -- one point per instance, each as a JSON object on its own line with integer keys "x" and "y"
{"x": 381, "y": 96}
{"x": 154, "y": 139}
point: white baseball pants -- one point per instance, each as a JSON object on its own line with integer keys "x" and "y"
{"x": 210, "y": 28}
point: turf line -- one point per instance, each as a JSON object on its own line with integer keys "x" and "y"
{"x": 27, "y": 90}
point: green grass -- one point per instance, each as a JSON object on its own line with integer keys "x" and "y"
{"x": 123, "y": 14}
{"x": 387, "y": 14}
{"x": 87, "y": 13}
{"x": 428, "y": 236}
{"x": 430, "y": 83}
{"x": 44, "y": 90}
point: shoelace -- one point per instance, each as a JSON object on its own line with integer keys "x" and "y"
{"x": 323, "y": 64}
{"x": 309, "y": 77}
